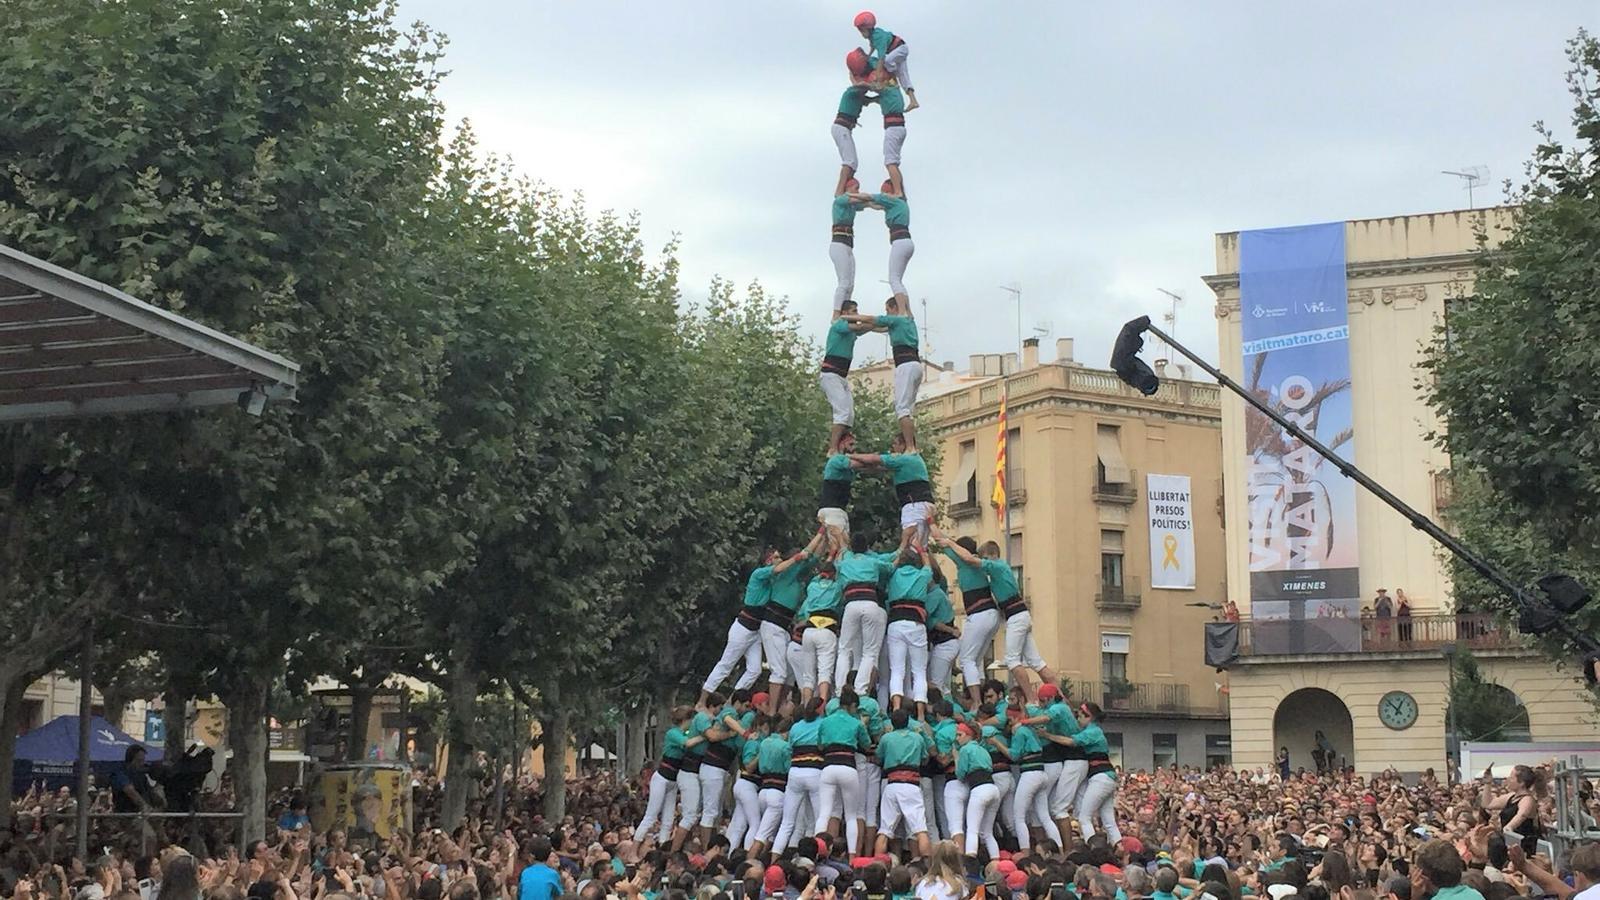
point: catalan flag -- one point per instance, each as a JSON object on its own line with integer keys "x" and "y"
{"x": 998, "y": 498}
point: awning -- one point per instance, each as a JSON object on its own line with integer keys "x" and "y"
{"x": 964, "y": 488}
{"x": 71, "y": 346}
{"x": 1108, "y": 445}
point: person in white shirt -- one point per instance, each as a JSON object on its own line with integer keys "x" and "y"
{"x": 946, "y": 879}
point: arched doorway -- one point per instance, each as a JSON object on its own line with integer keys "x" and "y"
{"x": 1298, "y": 719}
{"x": 1485, "y": 711}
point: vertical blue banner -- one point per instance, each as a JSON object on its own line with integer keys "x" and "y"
{"x": 1304, "y": 567}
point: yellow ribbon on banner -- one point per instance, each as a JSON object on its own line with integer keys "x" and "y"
{"x": 1170, "y": 542}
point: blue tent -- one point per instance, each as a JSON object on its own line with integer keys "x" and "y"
{"x": 49, "y": 753}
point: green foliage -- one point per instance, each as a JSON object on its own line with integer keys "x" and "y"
{"x": 1484, "y": 711}
{"x": 1513, "y": 375}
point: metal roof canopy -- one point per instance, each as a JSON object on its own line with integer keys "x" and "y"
{"x": 71, "y": 346}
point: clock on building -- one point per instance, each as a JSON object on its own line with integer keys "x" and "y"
{"x": 1398, "y": 710}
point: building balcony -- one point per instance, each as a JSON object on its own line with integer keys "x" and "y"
{"x": 965, "y": 509}
{"x": 1124, "y": 494}
{"x": 1425, "y": 634}
{"x": 1118, "y": 597}
{"x": 1137, "y": 698}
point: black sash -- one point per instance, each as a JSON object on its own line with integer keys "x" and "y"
{"x": 904, "y": 354}
{"x": 835, "y": 493}
{"x": 838, "y": 365}
{"x": 913, "y": 492}
{"x": 899, "y": 232}
{"x": 977, "y": 778}
{"x": 844, "y": 234}
{"x": 908, "y": 611}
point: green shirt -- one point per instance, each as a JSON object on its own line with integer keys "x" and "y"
{"x": 823, "y": 595}
{"x": 1024, "y": 743}
{"x": 1002, "y": 580}
{"x": 701, "y": 724}
{"x": 853, "y": 101}
{"x": 944, "y": 736}
{"x": 968, "y": 577}
{"x": 910, "y": 583}
{"x": 940, "y": 612}
{"x": 840, "y": 728}
{"x": 841, "y": 340}
{"x": 1459, "y": 892}
{"x": 748, "y": 756}
{"x": 844, "y": 211}
{"x": 672, "y": 743}
{"x": 971, "y": 758}
{"x": 902, "y": 333}
{"x": 838, "y": 468}
{"x": 788, "y": 586}
{"x": 773, "y": 757}
{"x": 891, "y": 101}
{"x": 905, "y": 467}
{"x": 1061, "y": 720}
{"x": 758, "y": 590}
{"x": 895, "y": 212}
{"x": 880, "y": 40}
{"x": 863, "y": 568}
{"x": 902, "y": 747}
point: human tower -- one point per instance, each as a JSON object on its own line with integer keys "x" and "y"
{"x": 858, "y": 730}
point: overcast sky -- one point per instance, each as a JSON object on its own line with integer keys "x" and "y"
{"x": 1086, "y": 151}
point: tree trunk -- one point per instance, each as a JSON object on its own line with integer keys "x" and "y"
{"x": 175, "y": 713}
{"x": 554, "y": 731}
{"x": 247, "y": 737}
{"x": 360, "y": 718}
{"x": 460, "y": 723}
{"x": 638, "y": 721}
{"x": 12, "y": 686}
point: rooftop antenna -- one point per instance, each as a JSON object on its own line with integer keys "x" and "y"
{"x": 1473, "y": 177}
{"x": 927, "y": 343}
{"x": 1171, "y": 318}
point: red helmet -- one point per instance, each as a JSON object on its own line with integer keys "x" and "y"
{"x": 866, "y": 20}
{"x": 858, "y": 64}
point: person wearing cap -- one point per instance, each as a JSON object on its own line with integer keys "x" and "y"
{"x": 911, "y": 486}
{"x": 902, "y": 752}
{"x": 974, "y": 769}
{"x": 772, "y": 771}
{"x": 744, "y": 635}
{"x": 804, "y": 785}
{"x": 777, "y": 616}
{"x": 664, "y": 781}
{"x": 842, "y": 736}
{"x": 890, "y": 54}
{"x": 908, "y": 630}
{"x": 1022, "y": 654}
{"x": 1065, "y": 767}
{"x": 1033, "y": 785}
{"x": 944, "y": 639}
{"x": 1097, "y": 799}
{"x": 818, "y": 627}
{"x": 854, "y": 99}
{"x": 865, "y": 620}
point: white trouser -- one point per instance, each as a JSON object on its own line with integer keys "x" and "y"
{"x": 844, "y": 138}
{"x": 908, "y": 660}
{"x": 663, "y": 793}
{"x": 902, "y": 803}
{"x": 805, "y": 786}
{"x": 899, "y": 257}
{"x": 896, "y": 61}
{"x": 1065, "y": 795}
{"x": 821, "y": 653}
{"x": 955, "y": 807}
{"x": 746, "y": 814}
{"x": 941, "y": 662}
{"x": 842, "y": 782}
{"x": 796, "y": 653}
{"x": 689, "y": 797}
{"x": 930, "y": 809}
{"x": 1006, "y": 783}
{"x": 840, "y": 401}
{"x": 712, "y": 780}
{"x": 844, "y": 266}
{"x": 977, "y": 636}
{"x": 983, "y": 803}
{"x": 771, "y": 800}
{"x": 860, "y": 640}
{"x": 1099, "y": 802}
{"x": 1020, "y": 649}
{"x": 894, "y": 139}
{"x": 1033, "y": 804}
{"x": 742, "y": 641}
{"x": 775, "y": 647}
{"x": 871, "y": 775}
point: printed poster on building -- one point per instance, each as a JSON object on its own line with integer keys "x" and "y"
{"x": 1171, "y": 531}
{"x": 1304, "y": 593}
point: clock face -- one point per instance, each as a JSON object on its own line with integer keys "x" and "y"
{"x": 1398, "y": 710}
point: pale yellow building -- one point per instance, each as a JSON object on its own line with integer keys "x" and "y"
{"x": 1402, "y": 272}
{"x": 1081, "y": 445}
